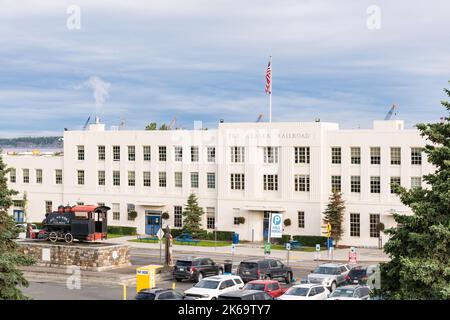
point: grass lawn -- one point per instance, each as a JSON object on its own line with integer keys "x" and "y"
{"x": 201, "y": 243}
{"x": 115, "y": 235}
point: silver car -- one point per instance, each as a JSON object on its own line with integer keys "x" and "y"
{"x": 331, "y": 275}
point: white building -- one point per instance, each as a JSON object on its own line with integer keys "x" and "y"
{"x": 238, "y": 170}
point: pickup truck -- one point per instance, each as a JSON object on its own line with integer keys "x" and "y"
{"x": 272, "y": 287}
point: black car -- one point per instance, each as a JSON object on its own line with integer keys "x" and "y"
{"x": 160, "y": 294}
{"x": 195, "y": 269}
{"x": 245, "y": 295}
{"x": 264, "y": 269}
{"x": 360, "y": 274}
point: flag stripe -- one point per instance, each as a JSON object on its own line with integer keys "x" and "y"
{"x": 269, "y": 78}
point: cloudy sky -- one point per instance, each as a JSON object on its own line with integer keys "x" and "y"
{"x": 145, "y": 61}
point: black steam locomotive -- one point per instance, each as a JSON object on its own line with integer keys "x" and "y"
{"x": 77, "y": 222}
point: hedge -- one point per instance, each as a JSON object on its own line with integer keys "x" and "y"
{"x": 126, "y": 231}
{"x": 204, "y": 235}
{"x": 311, "y": 241}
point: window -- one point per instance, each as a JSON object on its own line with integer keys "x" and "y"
{"x": 194, "y": 154}
{"x": 147, "y": 151}
{"x": 178, "y": 179}
{"x": 396, "y": 155}
{"x": 355, "y": 154}
{"x": 39, "y": 176}
{"x": 48, "y": 206}
{"x": 26, "y": 175}
{"x": 80, "y": 151}
{"x": 336, "y": 155}
{"x": 236, "y": 220}
{"x": 211, "y": 153}
{"x": 270, "y": 154}
{"x": 80, "y": 176}
{"x": 301, "y": 154}
{"x": 301, "y": 182}
{"x": 116, "y": 178}
{"x": 162, "y": 179}
{"x": 178, "y": 217}
{"x": 416, "y": 182}
{"x": 116, "y": 153}
{"x": 131, "y": 178}
{"x": 237, "y": 154}
{"x": 116, "y": 211}
{"x": 12, "y": 175}
{"x": 335, "y": 183}
{"x": 355, "y": 184}
{"x": 101, "y": 178}
{"x": 130, "y": 208}
{"x": 131, "y": 153}
{"x": 270, "y": 182}
{"x": 162, "y": 153}
{"x": 301, "y": 219}
{"x": 237, "y": 181}
{"x": 374, "y": 222}
{"x": 178, "y": 151}
{"x": 210, "y": 218}
{"x": 375, "y": 186}
{"x": 416, "y": 156}
{"x": 147, "y": 179}
{"x": 194, "y": 179}
{"x": 101, "y": 151}
{"x": 375, "y": 155}
{"x": 58, "y": 176}
{"x": 211, "y": 180}
{"x": 354, "y": 225}
{"x": 395, "y": 180}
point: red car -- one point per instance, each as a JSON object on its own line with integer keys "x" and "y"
{"x": 272, "y": 287}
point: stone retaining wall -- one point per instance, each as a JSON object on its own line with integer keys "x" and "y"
{"x": 94, "y": 257}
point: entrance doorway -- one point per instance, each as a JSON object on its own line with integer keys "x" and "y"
{"x": 266, "y": 225}
{"x": 152, "y": 222}
{"x": 18, "y": 215}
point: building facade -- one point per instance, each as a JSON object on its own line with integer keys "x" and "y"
{"x": 239, "y": 170}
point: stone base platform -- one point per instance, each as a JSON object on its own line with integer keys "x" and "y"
{"x": 87, "y": 256}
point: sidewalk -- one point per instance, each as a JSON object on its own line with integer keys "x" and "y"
{"x": 249, "y": 249}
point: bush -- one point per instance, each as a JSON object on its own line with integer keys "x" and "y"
{"x": 311, "y": 241}
{"x": 126, "y": 231}
{"x": 287, "y": 222}
{"x": 165, "y": 215}
{"x": 175, "y": 232}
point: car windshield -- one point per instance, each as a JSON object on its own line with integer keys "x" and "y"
{"x": 182, "y": 263}
{"x": 207, "y": 284}
{"x": 357, "y": 273}
{"x": 297, "y": 291}
{"x": 254, "y": 286}
{"x": 248, "y": 265}
{"x": 342, "y": 293}
{"x": 145, "y": 296}
{"x": 326, "y": 270}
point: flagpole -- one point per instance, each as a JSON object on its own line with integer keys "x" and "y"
{"x": 270, "y": 92}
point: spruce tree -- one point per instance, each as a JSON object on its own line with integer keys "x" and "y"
{"x": 10, "y": 258}
{"x": 419, "y": 246}
{"x": 192, "y": 216}
{"x": 334, "y": 215}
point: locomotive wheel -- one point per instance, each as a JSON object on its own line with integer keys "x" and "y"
{"x": 53, "y": 237}
{"x": 68, "y": 237}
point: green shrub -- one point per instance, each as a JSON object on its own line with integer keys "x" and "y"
{"x": 175, "y": 232}
{"x": 122, "y": 230}
{"x": 311, "y": 241}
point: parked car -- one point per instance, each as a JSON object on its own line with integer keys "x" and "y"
{"x": 360, "y": 274}
{"x": 272, "y": 287}
{"x": 245, "y": 295}
{"x": 210, "y": 288}
{"x": 195, "y": 269}
{"x": 257, "y": 269}
{"x": 331, "y": 275}
{"x": 160, "y": 294}
{"x": 23, "y": 230}
{"x": 306, "y": 291}
{"x": 350, "y": 292}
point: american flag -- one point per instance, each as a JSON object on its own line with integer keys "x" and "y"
{"x": 269, "y": 77}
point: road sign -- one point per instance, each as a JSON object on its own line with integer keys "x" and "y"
{"x": 318, "y": 247}
{"x": 330, "y": 243}
{"x": 160, "y": 234}
{"x": 276, "y": 228}
{"x": 233, "y": 246}
{"x": 328, "y": 234}
{"x": 267, "y": 248}
{"x": 288, "y": 246}
{"x": 328, "y": 227}
{"x": 352, "y": 258}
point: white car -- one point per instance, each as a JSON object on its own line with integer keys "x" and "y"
{"x": 305, "y": 291}
{"x": 211, "y": 287}
{"x": 350, "y": 292}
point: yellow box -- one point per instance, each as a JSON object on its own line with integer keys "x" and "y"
{"x": 146, "y": 277}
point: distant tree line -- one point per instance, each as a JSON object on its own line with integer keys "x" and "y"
{"x": 32, "y": 142}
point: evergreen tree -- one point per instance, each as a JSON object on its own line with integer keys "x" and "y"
{"x": 151, "y": 126}
{"x": 419, "y": 247}
{"x": 334, "y": 215}
{"x": 10, "y": 258}
{"x": 192, "y": 217}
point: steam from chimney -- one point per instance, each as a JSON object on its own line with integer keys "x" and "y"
{"x": 100, "y": 90}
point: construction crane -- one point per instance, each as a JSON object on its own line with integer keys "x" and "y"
{"x": 172, "y": 123}
{"x": 392, "y": 111}
{"x": 259, "y": 117}
{"x": 86, "y": 123}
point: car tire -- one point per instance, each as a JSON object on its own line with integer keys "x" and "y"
{"x": 213, "y": 298}
{"x": 199, "y": 277}
{"x": 288, "y": 278}
{"x": 178, "y": 279}
{"x": 333, "y": 286}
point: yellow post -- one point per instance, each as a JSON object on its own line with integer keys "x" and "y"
{"x": 173, "y": 285}
{"x": 124, "y": 285}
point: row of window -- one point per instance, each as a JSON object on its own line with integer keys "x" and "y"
{"x": 375, "y": 155}
{"x": 375, "y": 183}
{"x": 38, "y": 175}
